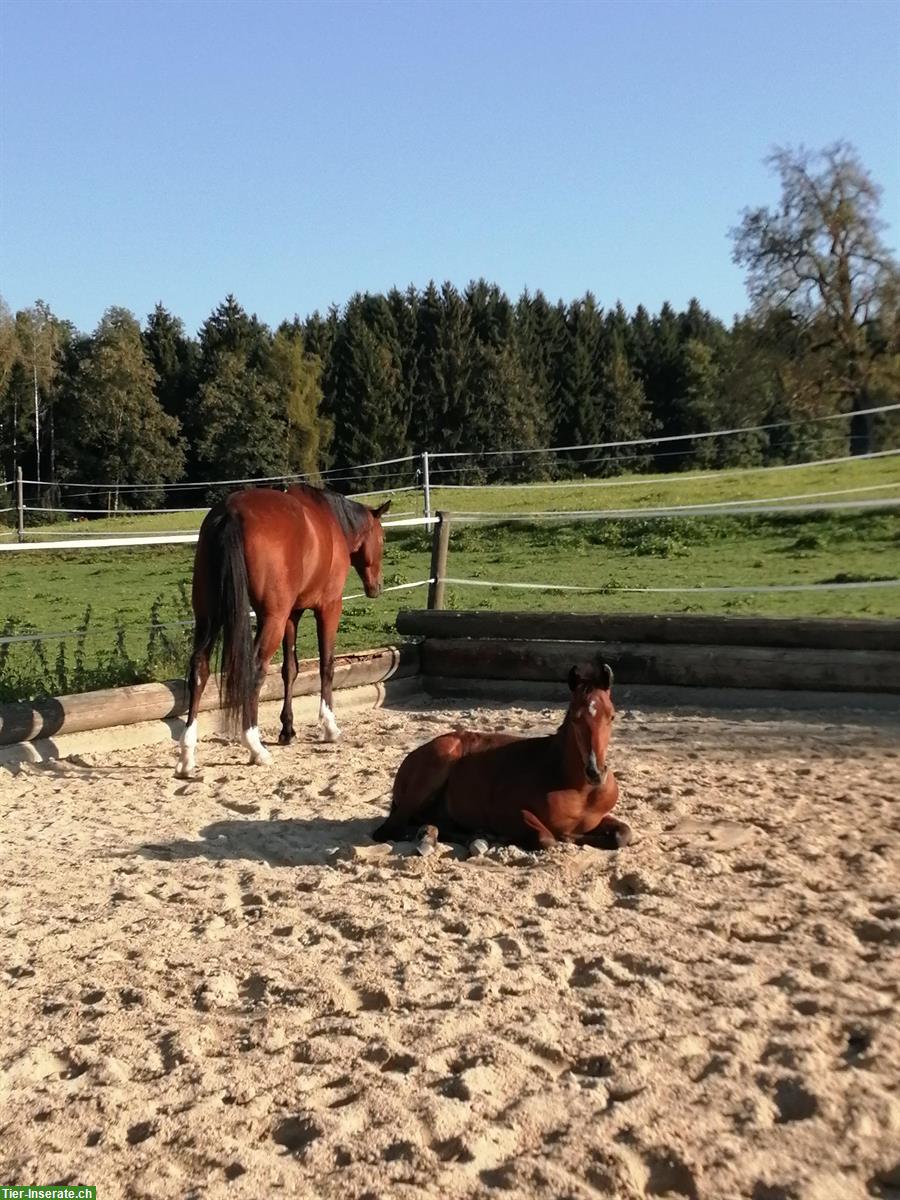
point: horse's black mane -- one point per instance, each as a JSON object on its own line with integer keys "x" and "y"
{"x": 352, "y": 517}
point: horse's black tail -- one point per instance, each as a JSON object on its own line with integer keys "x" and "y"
{"x": 229, "y": 611}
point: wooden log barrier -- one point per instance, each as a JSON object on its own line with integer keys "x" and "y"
{"x": 821, "y": 633}
{"x": 769, "y": 667}
{"x": 29, "y": 721}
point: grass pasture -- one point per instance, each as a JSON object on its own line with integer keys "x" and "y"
{"x": 117, "y": 594}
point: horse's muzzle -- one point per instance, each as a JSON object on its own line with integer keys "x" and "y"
{"x": 594, "y": 772}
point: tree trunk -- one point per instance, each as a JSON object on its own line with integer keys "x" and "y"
{"x": 861, "y": 424}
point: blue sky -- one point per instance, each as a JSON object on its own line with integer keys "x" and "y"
{"x": 293, "y": 153}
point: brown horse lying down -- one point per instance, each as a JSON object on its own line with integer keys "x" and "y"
{"x": 529, "y": 791}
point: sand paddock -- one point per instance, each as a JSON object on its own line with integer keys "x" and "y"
{"x": 223, "y": 988}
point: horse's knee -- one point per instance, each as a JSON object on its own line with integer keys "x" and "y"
{"x": 538, "y": 830}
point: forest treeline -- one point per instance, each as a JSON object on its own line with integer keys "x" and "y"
{"x": 442, "y": 369}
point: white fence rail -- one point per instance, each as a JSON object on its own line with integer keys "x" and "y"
{"x": 858, "y": 498}
{"x": 419, "y": 474}
{"x": 857, "y": 585}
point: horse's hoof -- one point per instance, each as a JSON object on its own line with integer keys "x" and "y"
{"x": 187, "y": 773}
{"x": 613, "y": 837}
{"x": 260, "y": 758}
{"x": 426, "y": 840}
{"x": 285, "y": 738}
{"x": 477, "y": 847}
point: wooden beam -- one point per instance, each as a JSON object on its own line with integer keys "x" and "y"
{"x": 160, "y": 701}
{"x": 823, "y": 633}
{"x": 856, "y": 707}
{"x": 646, "y": 663}
{"x": 440, "y": 544}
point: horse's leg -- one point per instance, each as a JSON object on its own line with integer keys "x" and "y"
{"x": 427, "y": 840}
{"x": 610, "y": 834}
{"x": 198, "y": 674}
{"x": 326, "y": 627}
{"x": 542, "y": 834}
{"x": 269, "y": 634}
{"x": 289, "y": 668}
{"x": 420, "y": 779}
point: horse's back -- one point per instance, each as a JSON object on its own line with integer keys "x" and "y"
{"x": 295, "y": 553}
{"x": 424, "y": 772}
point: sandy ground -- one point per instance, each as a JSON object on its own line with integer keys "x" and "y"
{"x": 223, "y": 988}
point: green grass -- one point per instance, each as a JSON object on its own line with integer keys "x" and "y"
{"x": 52, "y": 591}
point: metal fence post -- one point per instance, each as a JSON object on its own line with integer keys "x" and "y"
{"x": 440, "y": 542}
{"x": 20, "y": 505}
{"x": 426, "y": 484}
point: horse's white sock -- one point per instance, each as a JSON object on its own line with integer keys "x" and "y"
{"x": 326, "y": 718}
{"x": 259, "y": 755}
{"x": 187, "y": 761}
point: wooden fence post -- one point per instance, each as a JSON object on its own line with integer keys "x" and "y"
{"x": 20, "y": 505}
{"x": 440, "y": 541}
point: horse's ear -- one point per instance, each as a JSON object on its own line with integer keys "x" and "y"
{"x": 574, "y": 679}
{"x": 381, "y": 509}
{"x": 609, "y": 678}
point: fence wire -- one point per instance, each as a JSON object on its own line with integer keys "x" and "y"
{"x": 602, "y": 590}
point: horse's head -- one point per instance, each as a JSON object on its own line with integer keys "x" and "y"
{"x": 590, "y": 717}
{"x": 366, "y": 558}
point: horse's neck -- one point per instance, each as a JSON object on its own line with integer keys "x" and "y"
{"x": 570, "y": 757}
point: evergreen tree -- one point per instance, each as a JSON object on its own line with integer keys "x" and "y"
{"x": 173, "y": 357}
{"x": 505, "y": 414}
{"x": 425, "y": 388}
{"x": 696, "y": 408}
{"x": 16, "y": 417}
{"x": 624, "y": 413}
{"x": 239, "y": 417}
{"x": 230, "y": 330}
{"x": 403, "y": 308}
{"x": 297, "y": 376}
{"x": 319, "y": 332}
{"x": 440, "y": 396}
{"x": 241, "y": 422}
{"x": 122, "y": 428}
{"x": 363, "y": 378}
{"x": 577, "y": 418}
{"x": 453, "y": 402}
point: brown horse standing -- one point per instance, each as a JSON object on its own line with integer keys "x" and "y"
{"x": 530, "y": 791}
{"x": 278, "y": 553}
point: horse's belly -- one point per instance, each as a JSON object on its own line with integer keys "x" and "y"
{"x": 482, "y": 795}
{"x": 480, "y": 799}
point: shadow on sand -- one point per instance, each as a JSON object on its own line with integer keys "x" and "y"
{"x": 289, "y": 843}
